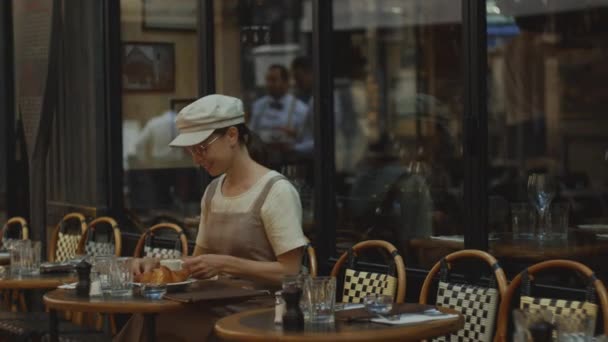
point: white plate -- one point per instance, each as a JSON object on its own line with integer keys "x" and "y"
{"x": 175, "y": 286}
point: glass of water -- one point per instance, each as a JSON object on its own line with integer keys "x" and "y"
{"x": 121, "y": 277}
{"x": 320, "y": 294}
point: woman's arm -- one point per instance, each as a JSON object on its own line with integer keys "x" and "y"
{"x": 209, "y": 265}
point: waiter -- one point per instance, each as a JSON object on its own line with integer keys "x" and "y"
{"x": 279, "y": 119}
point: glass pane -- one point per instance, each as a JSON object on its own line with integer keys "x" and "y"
{"x": 3, "y": 175}
{"x": 262, "y": 52}
{"x": 548, "y": 130}
{"x": 398, "y": 110}
{"x": 159, "y": 77}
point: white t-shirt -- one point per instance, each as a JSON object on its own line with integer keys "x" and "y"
{"x": 281, "y": 212}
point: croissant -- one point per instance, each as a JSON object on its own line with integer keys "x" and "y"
{"x": 163, "y": 275}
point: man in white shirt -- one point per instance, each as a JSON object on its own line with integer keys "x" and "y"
{"x": 152, "y": 146}
{"x": 279, "y": 118}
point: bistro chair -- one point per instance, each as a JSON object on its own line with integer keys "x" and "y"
{"x": 523, "y": 283}
{"x": 309, "y": 261}
{"x": 15, "y": 228}
{"x": 478, "y": 304}
{"x": 66, "y": 237}
{"x": 102, "y": 237}
{"x": 358, "y": 284}
{"x": 146, "y": 246}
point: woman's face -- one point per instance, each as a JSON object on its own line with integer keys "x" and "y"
{"x": 215, "y": 153}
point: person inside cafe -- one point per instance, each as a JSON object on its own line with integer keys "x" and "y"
{"x": 279, "y": 118}
{"x": 251, "y": 216}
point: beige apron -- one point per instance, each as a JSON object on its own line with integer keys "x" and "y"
{"x": 238, "y": 234}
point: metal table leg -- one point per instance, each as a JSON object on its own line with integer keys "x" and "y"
{"x": 53, "y": 329}
{"x": 150, "y": 326}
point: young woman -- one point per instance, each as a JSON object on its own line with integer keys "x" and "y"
{"x": 250, "y": 216}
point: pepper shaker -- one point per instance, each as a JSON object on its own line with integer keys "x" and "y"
{"x": 84, "y": 279}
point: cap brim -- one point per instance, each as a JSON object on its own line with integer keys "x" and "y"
{"x": 191, "y": 138}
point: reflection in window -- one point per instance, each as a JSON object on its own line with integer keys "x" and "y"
{"x": 397, "y": 112}
{"x": 263, "y": 57}
{"x": 159, "y": 77}
{"x": 546, "y": 115}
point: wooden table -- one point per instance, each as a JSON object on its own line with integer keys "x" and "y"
{"x": 258, "y": 325}
{"x": 529, "y": 250}
{"x": 32, "y": 282}
{"x": 19, "y": 283}
{"x": 67, "y": 300}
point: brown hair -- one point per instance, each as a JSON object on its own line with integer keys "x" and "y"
{"x": 254, "y": 144}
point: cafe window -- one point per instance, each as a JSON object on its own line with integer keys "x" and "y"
{"x": 397, "y": 112}
{"x": 263, "y": 56}
{"x": 159, "y": 77}
{"x": 548, "y": 129}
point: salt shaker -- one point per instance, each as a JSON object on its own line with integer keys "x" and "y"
{"x": 279, "y": 307}
{"x": 95, "y": 290}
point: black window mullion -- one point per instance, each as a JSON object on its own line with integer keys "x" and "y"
{"x": 206, "y": 48}
{"x": 7, "y": 100}
{"x": 324, "y": 166}
{"x": 475, "y": 124}
{"x": 113, "y": 103}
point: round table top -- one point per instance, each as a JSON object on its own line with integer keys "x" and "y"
{"x": 37, "y": 281}
{"x": 67, "y": 300}
{"x": 258, "y": 325}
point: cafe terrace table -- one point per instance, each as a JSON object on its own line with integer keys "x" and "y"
{"x": 41, "y": 281}
{"x": 67, "y": 300}
{"x": 258, "y": 325}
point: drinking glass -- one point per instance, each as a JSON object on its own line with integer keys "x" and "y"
{"x": 378, "y": 304}
{"x": 559, "y": 218}
{"x": 541, "y": 191}
{"x": 30, "y": 263}
{"x": 121, "y": 277}
{"x": 320, "y": 293}
{"x": 102, "y": 265}
{"x": 522, "y": 220}
{"x": 25, "y": 257}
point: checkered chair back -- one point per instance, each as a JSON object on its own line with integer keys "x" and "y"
{"x": 557, "y": 307}
{"x": 358, "y": 284}
{"x": 66, "y": 237}
{"x": 14, "y": 229}
{"x": 102, "y": 237}
{"x": 478, "y": 304}
{"x": 147, "y": 244}
{"x": 67, "y": 244}
{"x": 595, "y": 294}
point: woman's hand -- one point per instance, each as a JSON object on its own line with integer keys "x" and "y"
{"x": 205, "y": 266}
{"x": 141, "y": 265}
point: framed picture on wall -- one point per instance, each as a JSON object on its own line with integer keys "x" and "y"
{"x": 148, "y": 66}
{"x": 178, "y": 104}
{"x": 169, "y": 15}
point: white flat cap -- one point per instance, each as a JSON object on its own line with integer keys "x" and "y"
{"x": 199, "y": 119}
